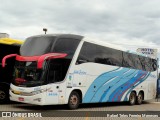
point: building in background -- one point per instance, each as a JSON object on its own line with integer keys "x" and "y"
{"x": 4, "y": 35}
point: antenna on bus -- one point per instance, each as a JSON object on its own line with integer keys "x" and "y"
{"x": 45, "y": 30}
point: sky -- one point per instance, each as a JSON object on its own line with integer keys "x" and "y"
{"x": 130, "y": 24}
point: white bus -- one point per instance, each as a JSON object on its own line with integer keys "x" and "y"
{"x": 71, "y": 69}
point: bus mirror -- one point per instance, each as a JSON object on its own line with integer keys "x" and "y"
{"x": 40, "y": 59}
{"x": 44, "y": 57}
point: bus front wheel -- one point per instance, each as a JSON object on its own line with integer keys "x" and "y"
{"x": 74, "y": 100}
{"x": 132, "y": 98}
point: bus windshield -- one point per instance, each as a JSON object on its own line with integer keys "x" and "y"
{"x": 35, "y": 46}
{"x": 27, "y": 75}
{"x": 54, "y": 70}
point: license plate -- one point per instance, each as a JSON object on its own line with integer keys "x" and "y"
{"x": 21, "y": 99}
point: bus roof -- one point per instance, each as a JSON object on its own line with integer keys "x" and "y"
{"x": 91, "y": 40}
{"x": 10, "y": 41}
{"x": 59, "y": 36}
{"x": 104, "y": 43}
{"x": 74, "y": 36}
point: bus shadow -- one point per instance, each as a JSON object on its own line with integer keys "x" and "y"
{"x": 65, "y": 107}
{"x": 108, "y": 104}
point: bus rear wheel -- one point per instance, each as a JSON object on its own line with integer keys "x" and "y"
{"x": 74, "y": 100}
{"x": 139, "y": 98}
{"x": 132, "y": 98}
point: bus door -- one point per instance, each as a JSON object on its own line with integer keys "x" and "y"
{"x": 53, "y": 87}
{"x": 158, "y": 87}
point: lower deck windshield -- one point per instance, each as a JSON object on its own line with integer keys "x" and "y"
{"x": 27, "y": 75}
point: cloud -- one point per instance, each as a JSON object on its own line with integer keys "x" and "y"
{"x": 131, "y": 24}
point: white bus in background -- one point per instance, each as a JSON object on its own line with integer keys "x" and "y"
{"x": 71, "y": 69}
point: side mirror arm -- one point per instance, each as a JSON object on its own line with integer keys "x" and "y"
{"x": 6, "y": 57}
{"x": 49, "y": 56}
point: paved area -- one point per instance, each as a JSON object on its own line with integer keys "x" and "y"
{"x": 85, "y": 109}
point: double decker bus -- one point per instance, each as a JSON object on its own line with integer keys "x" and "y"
{"x": 71, "y": 69}
{"x": 7, "y": 46}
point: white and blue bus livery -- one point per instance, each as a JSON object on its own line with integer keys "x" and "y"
{"x": 71, "y": 69}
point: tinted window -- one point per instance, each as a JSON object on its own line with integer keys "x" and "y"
{"x": 68, "y": 46}
{"x": 148, "y": 63}
{"x": 88, "y": 52}
{"x": 131, "y": 60}
{"x": 137, "y": 62}
{"x": 128, "y": 60}
{"x": 35, "y": 46}
{"x": 154, "y": 64}
{"x": 58, "y": 69}
{"x": 55, "y": 72}
{"x": 99, "y": 54}
{"x": 108, "y": 56}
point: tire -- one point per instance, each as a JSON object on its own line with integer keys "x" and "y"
{"x": 74, "y": 100}
{"x": 4, "y": 95}
{"x": 132, "y": 98}
{"x": 139, "y": 98}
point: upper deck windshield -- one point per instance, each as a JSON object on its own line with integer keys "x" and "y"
{"x": 39, "y": 45}
{"x": 35, "y": 46}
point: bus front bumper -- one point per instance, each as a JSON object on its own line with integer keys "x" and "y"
{"x": 35, "y": 99}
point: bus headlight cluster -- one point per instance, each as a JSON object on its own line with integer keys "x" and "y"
{"x": 37, "y": 92}
{"x": 27, "y": 93}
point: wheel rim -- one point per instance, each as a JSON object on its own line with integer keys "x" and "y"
{"x": 74, "y": 100}
{"x": 132, "y": 98}
{"x": 2, "y": 95}
{"x": 139, "y": 98}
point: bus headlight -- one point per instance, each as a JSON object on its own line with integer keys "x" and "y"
{"x": 37, "y": 92}
{"x": 27, "y": 93}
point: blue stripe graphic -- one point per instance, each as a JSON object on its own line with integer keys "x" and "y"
{"x": 101, "y": 93}
{"x": 118, "y": 93}
{"x": 123, "y": 80}
{"x": 126, "y": 99}
{"x": 100, "y": 81}
{"x": 112, "y": 85}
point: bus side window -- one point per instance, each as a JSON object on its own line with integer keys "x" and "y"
{"x": 87, "y": 53}
{"x": 55, "y": 72}
{"x": 66, "y": 45}
{"x": 154, "y": 65}
{"x": 99, "y": 54}
{"x": 137, "y": 62}
{"x": 128, "y": 60}
{"x": 58, "y": 69}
